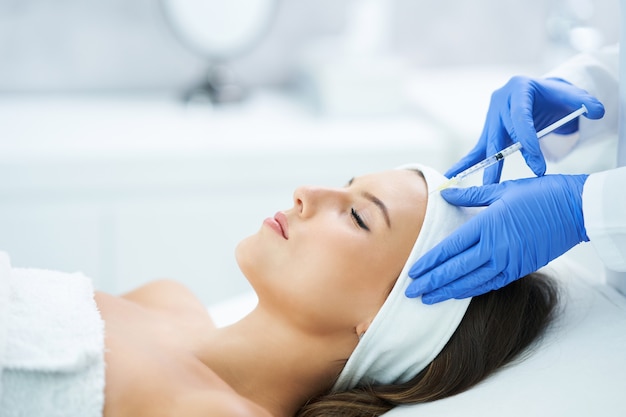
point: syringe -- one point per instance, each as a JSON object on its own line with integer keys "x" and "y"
{"x": 494, "y": 159}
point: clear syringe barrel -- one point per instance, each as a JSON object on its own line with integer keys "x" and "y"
{"x": 494, "y": 159}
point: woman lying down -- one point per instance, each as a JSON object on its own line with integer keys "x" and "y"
{"x": 332, "y": 334}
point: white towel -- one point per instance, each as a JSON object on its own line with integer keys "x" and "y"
{"x": 52, "y": 345}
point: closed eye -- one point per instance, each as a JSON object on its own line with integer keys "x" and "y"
{"x": 375, "y": 200}
{"x": 359, "y": 220}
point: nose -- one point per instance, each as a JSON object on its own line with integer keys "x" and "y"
{"x": 309, "y": 200}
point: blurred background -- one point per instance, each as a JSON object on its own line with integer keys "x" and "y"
{"x": 142, "y": 139}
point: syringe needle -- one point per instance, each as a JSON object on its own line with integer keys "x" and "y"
{"x": 493, "y": 159}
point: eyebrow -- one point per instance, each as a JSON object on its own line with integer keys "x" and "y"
{"x": 377, "y": 201}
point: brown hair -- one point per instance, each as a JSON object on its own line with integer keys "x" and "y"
{"x": 496, "y": 328}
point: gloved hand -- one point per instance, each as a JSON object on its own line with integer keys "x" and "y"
{"x": 520, "y": 109}
{"x": 528, "y": 223}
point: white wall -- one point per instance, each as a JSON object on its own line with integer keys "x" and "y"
{"x": 121, "y": 44}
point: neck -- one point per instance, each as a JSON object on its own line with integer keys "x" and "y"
{"x": 273, "y": 364}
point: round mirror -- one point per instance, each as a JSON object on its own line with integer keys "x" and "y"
{"x": 220, "y": 29}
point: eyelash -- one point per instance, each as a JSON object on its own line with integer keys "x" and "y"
{"x": 359, "y": 220}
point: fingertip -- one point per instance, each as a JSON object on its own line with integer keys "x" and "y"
{"x": 595, "y": 109}
{"x": 429, "y": 299}
{"x": 535, "y": 162}
{"x": 415, "y": 289}
{"x": 411, "y": 292}
{"x": 450, "y": 193}
{"x": 451, "y": 172}
{"x": 538, "y": 166}
{"x": 458, "y": 167}
{"x": 492, "y": 174}
{"x": 455, "y": 196}
{"x": 416, "y": 271}
{"x": 470, "y": 196}
{"x": 474, "y": 156}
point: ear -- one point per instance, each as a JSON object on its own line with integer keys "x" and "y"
{"x": 362, "y": 327}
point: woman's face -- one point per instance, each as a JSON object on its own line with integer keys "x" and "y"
{"x": 330, "y": 260}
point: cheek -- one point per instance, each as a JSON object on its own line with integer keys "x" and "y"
{"x": 354, "y": 273}
{"x": 335, "y": 254}
{"x": 327, "y": 278}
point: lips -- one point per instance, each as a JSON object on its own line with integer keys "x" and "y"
{"x": 281, "y": 219}
{"x": 279, "y": 224}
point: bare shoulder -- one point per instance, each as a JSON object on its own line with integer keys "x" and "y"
{"x": 157, "y": 287}
{"x": 170, "y": 296}
{"x": 219, "y": 404}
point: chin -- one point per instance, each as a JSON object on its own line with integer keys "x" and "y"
{"x": 242, "y": 253}
{"x": 249, "y": 257}
{"x": 257, "y": 260}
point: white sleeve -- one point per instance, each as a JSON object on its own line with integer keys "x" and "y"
{"x": 598, "y": 74}
{"x": 604, "y": 212}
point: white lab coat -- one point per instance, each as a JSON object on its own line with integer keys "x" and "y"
{"x": 604, "y": 193}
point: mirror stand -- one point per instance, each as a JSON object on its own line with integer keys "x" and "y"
{"x": 219, "y": 85}
{"x": 218, "y": 31}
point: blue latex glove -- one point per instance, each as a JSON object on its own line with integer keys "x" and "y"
{"x": 520, "y": 109}
{"x": 528, "y": 223}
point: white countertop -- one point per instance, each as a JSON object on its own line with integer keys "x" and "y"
{"x": 49, "y": 126}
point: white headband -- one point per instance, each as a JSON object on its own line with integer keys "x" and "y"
{"x": 406, "y": 335}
